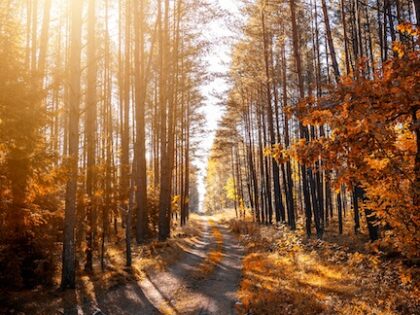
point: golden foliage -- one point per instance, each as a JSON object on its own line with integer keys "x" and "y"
{"x": 277, "y": 152}
{"x": 372, "y": 124}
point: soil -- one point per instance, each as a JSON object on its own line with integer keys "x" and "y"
{"x": 178, "y": 289}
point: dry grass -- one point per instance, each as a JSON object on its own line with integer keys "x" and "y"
{"x": 283, "y": 271}
{"x": 243, "y": 227}
{"x": 224, "y": 216}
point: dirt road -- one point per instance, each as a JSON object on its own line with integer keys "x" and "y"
{"x": 203, "y": 281}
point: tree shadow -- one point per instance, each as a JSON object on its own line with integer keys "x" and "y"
{"x": 163, "y": 295}
{"x": 69, "y": 302}
{"x": 127, "y": 298}
{"x": 216, "y": 291}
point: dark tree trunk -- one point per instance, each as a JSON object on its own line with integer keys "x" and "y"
{"x": 91, "y": 131}
{"x": 416, "y": 184}
{"x": 235, "y": 205}
{"x": 417, "y": 7}
{"x": 289, "y": 196}
{"x": 68, "y": 276}
{"x": 371, "y": 220}
{"x": 278, "y": 203}
{"x": 340, "y": 213}
{"x": 302, "y": 129}
{"x": 140, "y": 95}
{"x": 356, "y": 211}
{"x": 330, "y": 41}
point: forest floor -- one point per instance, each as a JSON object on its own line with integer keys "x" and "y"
{"x": 196, "y": 272}
{"x": 217, "y": 265}
{"x": 283, "y": 270}
{"x": 203, "y": 281}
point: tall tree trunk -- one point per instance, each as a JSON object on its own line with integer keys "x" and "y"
{"x": 371, "y": 220}
{"x": 34, "y": 36}
{"x": 279, "y": 208}
{"x": 185, "y": 201}
{"x": 416, "y": 184}
{"x": 289, "y": 197}
{"x": 43, "y": 46}
{"x": 345, "y": 37}
{"x": 302, "y": 130}
{"x": 125, "y": 110}
{"x": 330, "y": 41}
{"x": 235, "y": 204}
{"x": 91, "y": 114}
{"x": 417, "y": 8}
{"x": 166, "y": 130}
{"x": 356, "y": 211}
{"x": 108, "y": 134}
{"x": 69, "y": 271}
{"x": 141, "y": 174}
{"x": 340, "y": 213}
{"x": 267, "y": 172}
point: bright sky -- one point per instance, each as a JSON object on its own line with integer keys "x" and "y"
{"x": 218, "y": 61}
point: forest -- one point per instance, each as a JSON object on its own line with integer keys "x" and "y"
{"x": 309, "y": 201}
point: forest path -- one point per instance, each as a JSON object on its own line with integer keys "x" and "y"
{"x": 203, "y": 281}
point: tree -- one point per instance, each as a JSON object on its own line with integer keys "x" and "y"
{"x": 91, "y": 139}
{"x": 375, "y": 144}
{"x": 22, "y": 117}
{"x": 330, "y": 41}
{"x": 69, "y": 272}
{"x": 140, "y": 91}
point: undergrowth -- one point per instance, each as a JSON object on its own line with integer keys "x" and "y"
{"x": 284, "y": 271}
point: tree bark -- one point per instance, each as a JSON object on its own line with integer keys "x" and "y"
{"x": 91, "y": 130}
{"x": 417, "y": 8}
{"x": 43, "y": 46}
{"x": 69, "y": 271}
{"x": 140, "y": 95}
{"x": 279, "y": 208}
{"x": 330, "y": 41}
{"x": 302, "y": 130}
{"x": 356, "y": 212}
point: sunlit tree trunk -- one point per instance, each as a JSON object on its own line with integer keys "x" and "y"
{"x": 34, "y": 36}
{"x": 303, "y": 131}
{"x": 330, "y": 41}
{"x": 44, "y": 40}
{"x": 108, "y": 134}
{"x": 90, "y": 129}
{"x": 166, "y": 155}
{"x": 140, "y": 95}
{"x": 261, "y": 217}
{"x": 68, "y": 271}
{"x": 279, "y": 208}
{"x": 289, "y": 197}
{"x": 125, "y": 108}
{"x": 345, "y": 36}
